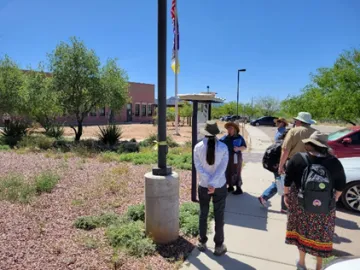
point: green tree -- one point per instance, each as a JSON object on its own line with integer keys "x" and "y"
{"x": 82, "y": 84}
{"x": 12, "y": 93}
{"x": 43, "y": 102}
{"x": 267, "y": 105}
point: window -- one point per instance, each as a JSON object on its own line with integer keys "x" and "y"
{"x": 338, "y": 134}
{"x": 355, "y": 138}
{"x": 143, "y": 110}
{"x": 137, "y": 109}
{"x": 102, "y": 111}
{"x": 93, "y": 113}
{"x": 149, "y": 110}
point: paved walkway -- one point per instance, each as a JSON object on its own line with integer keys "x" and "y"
{"x": 255, "y": 235}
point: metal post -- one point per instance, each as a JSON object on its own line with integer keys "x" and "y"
{"x": 162, "y": 169}
{"x": 237, "y": 99}
{"x": 209, "y": 111}
{"x": 176, "y": 73}
{"x": 194, "y": 142}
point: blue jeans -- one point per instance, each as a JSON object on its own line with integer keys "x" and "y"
{"x": 271, "y": 191}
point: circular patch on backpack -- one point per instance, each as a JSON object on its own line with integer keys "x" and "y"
{"x": 316, "y": 203}
{"x": 322, "y": 185}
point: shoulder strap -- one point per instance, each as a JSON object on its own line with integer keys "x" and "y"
{"x": 308, "y": 164}
{"x": 305, "y": 158}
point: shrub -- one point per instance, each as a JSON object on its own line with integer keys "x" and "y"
{"x": 128, "y": 147}
{"x": 136, "y": 212}
{"x": 13, "y": 188}
{"x": 14, "y": 131}
{"x": 36, "y": 142}
{"x": 4, "y": 148}
{"x": 190, "y": 225}
{"x": 86, "y": 222}
{"x": 152, "y": 141}
{"x": 55, "y": 131}
{"x": 46, "y": 182}
{"x": 109, "y": 157}
{"x": 110, "y": 134}
{"x": 133, "y": 140}
{"x": 104, "y": 220}
{"x": 131, "y": 238}
{"x": 180, "y": 160}
{"x": 189, "y": 218}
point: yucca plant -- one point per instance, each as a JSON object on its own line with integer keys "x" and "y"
{"x": 14, "y": 131}
{"x": 110, "y": 134}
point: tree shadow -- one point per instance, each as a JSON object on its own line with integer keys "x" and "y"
{"x": 339, "y": 239}
{"x": 244, "y": 211}
{"x": 347, "y": 224}
{"x": 177, "y": 250}
{"x": 225, "y": 261}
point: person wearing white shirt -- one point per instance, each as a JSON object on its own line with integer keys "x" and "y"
{"x": 211, "y": 159}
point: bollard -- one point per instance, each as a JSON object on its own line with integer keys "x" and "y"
{"x": 162, "y": 207}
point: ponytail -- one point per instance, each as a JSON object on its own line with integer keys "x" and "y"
{"x": 210, "y": 152}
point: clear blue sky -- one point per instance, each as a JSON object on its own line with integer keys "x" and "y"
{"x": 279, "y": 42}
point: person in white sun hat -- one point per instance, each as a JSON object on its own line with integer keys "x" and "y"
{"x": 293, "y": 141}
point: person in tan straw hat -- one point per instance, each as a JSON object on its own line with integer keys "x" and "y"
{"x": 211, "y": 159}
{"x": 293, "y": 140}
{"x": 236, "y": 145}
{"x": 313, "y": 181}
{"x": 281, "y": 125}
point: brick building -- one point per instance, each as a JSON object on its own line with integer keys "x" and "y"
{"x": 140, "y": 109}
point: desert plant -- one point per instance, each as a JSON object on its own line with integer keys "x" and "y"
{"x": 55, "y": 131}
{"x": 13, "y": 188}
{"x": 128, "y": 147}
{"x": 151, "y": 140}
{"x": 104, "y": 220}
{"x": 189, "y": 218}
{"x": 46, "y": 182}
{"x": 131, "y": 238}
{"x": 110, "y": 134}
{"x": 4, "y": 148}
{"x": 14, "y": 131}
{"x": 86, "y": 223}
{"x": 36, "y": 142}
{"x": 136, "y": 212}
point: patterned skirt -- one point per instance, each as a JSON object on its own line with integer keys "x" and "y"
{"x": 311, "y": 233}
{"x": 233, "y": 171}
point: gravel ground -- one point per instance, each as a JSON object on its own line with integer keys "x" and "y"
{"x": 40, "y": 235}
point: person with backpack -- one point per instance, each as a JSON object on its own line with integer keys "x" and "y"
{"x": 236, "y": 145}
{"x": 270, "y": 162}
{"x": 313, "y": 181}
{"x": 211, "y": 159}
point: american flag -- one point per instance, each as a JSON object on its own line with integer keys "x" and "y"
{"x": 176, "y": 45}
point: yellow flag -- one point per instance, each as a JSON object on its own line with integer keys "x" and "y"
{"x": 176, "y": 64}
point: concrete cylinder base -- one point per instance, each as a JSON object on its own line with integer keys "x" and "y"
{"x": 162, "y": 207}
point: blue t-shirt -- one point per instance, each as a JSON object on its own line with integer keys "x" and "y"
{"x": 279, "y": 133}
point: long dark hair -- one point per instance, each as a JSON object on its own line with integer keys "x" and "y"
{"x": 210, "y": 152}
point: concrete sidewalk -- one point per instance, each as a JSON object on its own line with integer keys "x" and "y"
{"x": 255, "y": 236}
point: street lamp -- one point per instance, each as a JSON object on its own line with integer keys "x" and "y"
{"x": 208, "y": 88}
{"x": 237, "y": 100}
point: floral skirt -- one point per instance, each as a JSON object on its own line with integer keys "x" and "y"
{"x": 311, "y": 233}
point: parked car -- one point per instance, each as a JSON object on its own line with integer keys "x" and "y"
{"x": 351, "y": 194}
{"x": 264, "y": 121}
{"x": 344, "y": 263}
{"x": 345, "y": 142}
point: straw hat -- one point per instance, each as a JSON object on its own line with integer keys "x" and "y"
{"x": 318, "y": 139}
{"x": 305, "y": 117}
{"x": 281, "y": 119}
{"x": 210, "y": 129}
{"x": 231, "y": 124}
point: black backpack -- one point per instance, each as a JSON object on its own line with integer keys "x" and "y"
{"x": 272, "y": 156}
{"x": 316, "y": 194}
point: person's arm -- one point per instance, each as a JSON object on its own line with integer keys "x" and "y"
{"x": 198, "y": 166}
{"x": 338, "y": 177}
{"x": 221, "y": 168}
{"x": 286, "y": 147}
{"x": 290, "y": 175}
{"x": 242, "y": 147}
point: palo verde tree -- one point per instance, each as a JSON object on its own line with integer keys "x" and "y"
{"x": 83, "y": 85}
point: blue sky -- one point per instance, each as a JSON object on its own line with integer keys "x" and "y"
{"x": 279, "y": 42}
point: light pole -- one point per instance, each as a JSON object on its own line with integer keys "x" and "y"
{"x": 237, "y": 100}
{"x": 208, "y": 88}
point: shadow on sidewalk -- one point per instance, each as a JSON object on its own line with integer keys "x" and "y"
{"x": 245, "y": 211}
{"x": 346, "y": 224}
{"x": 225, "y": 261}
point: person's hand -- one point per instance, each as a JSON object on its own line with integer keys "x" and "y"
{"x": 237, "y": 149}
{"x": 286, "y": 200}
{"x": 211, "y": 190}
{"x": 281, "y": 170}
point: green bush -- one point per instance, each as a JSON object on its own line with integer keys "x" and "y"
{"x": 131, "y": 238}
{"x": 190, "y": 225}
{"x": 109, "y": 157}
{"x": 104, "y": 220}
{"x": 189, "y": 218}
{"x": 13, "y": 188}
{"x": 110, "y": 134}
{"x": 139, "y": 158}
{"x": 128, "y": 147}
{"x": 14, "y": 131}
{"x": 55, "y": 131}
{"x": 4, "y": 147}
{"x": 136, "y": 212}
{"x": 86, "y": 223}
{"x": 36, "y": 142}
{"x": 152, "y": 140}
{"x": 46, "y": 182}
{"x": 180, "y": 160}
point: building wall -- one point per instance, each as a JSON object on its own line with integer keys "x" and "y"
{"x": 140, "y": 94}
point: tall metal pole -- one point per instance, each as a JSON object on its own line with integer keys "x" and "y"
{"x": 176, "y": 74}
{"x": 194, "y": 142}
{"x": 237, "y": 99}
{"x": 162, "y": 169}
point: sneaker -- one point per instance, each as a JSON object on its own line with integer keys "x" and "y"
{"x": 201, "y": 246}
{"x": 230, "y": 189}
{"x": 300, "y": 267}
{"x": 283, "y": 211}
{"x": 220, "y": 250}
{"x": 263, "y": 202}
{"x": 238, "y": 191}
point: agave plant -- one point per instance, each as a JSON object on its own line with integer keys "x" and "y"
{"x": 110, "y": 134}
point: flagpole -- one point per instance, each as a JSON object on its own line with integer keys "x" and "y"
{"x": 176, "y": 74}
